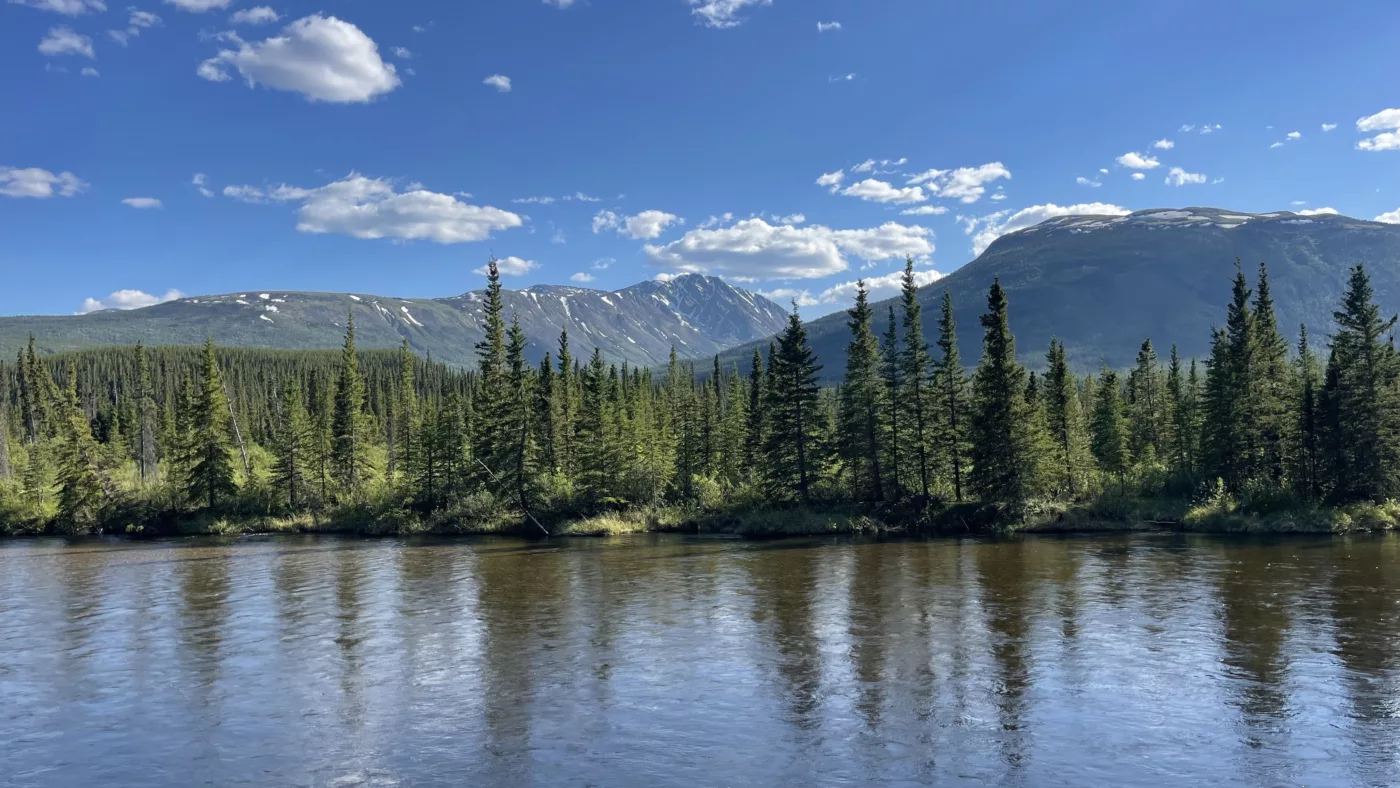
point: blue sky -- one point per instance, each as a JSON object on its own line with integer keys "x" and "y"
{"x": 213, "y": 146}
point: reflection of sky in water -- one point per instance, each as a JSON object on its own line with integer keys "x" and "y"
{"x": 658, "y": 660}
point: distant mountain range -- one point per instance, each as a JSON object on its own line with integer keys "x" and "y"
{"x": 1105, "y": 283}
{"x": 699, "y": 315}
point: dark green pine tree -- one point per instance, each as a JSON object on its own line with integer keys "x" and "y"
{"x": 406, "y": 415}
{"x": 1064, "y": 420}
{"x": 1145, "y": 406}
{"x": 210, "y": 475}
{"x": 80, "y": 488}
{"x": 519, "y": 470}
{"x": 146, "y": 450}
{"x": 495, "y": 438}
{"x": 5, "y": 470}
{"x": 1182, "y": 406}
{"x": 793, "y": 422}
{"x": 733, "y": 431}
{"x": 1271, "y": 386}
{"x": 291, "y": 449}
{"x": 861, "y": 395}
{"x": 350, "y": 424}
{"x": 567, "y": 407}
{"x": 1308, "y": 431}
{"x": 753, "y": 441}
{"x": 1362, "y": 380}
{"x": 1111, "y": 431}
{"x": 949, "y": 389}
{"x": 546, "y": 418}
{"x": 894, "y": 388}
{"x": 322, "y": 435}
{"x": 593, "y": 431}
{"x": 916, "y": 363}
{"x": 1001, "y": 452}
{"x": 1230, "y": 410}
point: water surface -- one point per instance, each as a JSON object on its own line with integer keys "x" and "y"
{"x": 1147, "y": 660}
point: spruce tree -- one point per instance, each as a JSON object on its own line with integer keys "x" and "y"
{"x": 793, "y": 423}
{"x": 916, "y": 373}
{"x": 291, "y": 450}
{"x": 80, "y": 488}
{"x": 894, "y": 387}
{"x": 1145, "y": 405}
{"x": 495, "y": 439}
{"x": 519, "y": 471}
{"x": 210, "y": 475}
{"x": 1064, "y": 422}
{"x": 1111, "y": 430}
{"x": 546, "y": 418}
{"x": 1363, "y": 387}
{"x": 1000, "y": 449}
{"x": 753, "y": 441}
{"x": 350, "y": 425}
{"x": 147, "y": 451}
{"x": 1308, "y": 430}
{"x": 406, "y": 415}
{"x": 949, "y": 390}
{"x": 861, "y": 396}
{"x": 592, "y": 431}
{"x": 5, "y": 469}
{"x": 568, "y": 406}
{"x": 1270, "y": 385}
{"x": 1231, "y": 402}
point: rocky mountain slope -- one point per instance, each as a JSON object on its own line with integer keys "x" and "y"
{"x": 700, "y": 315}
{"x": 1104, "y": 283}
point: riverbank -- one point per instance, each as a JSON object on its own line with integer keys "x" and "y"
{"x": 1099, "y": 516}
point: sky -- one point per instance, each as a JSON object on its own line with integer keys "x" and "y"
{"x": 188, "y": 147}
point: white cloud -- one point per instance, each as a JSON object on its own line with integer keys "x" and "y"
{"x": 822, "y": 27}
{"x": 722, "y": 14}
{"x": 257, "y": 15}
{"x": 787, "y": 295}
{"x": 1328, "y": 126}
{"x": 842, "y": 78}
{"x": 65, "y": 7}
{"x": 870, "y": 165}
{"x": 879, "y": 287}
{"x": 201, "y": 182}
{"x": 1179, "y": 177}
{"x": 1186, "y": 127}
{"x": 1082, "y": 181}
{"x": 1103, "y": 170}
{"x": 320, "y": 57}
{"x": 1386, "y": 121}
{"x": 1300, "y": 202}
{"x": 90, "y": 72}
{"x": 1137, "y": 161}
{"x": 581, "y": 197}
{"x": 602, "y": 263}
{"x": 966, "y": 184}
{"x": 498, "y": 81}
{"x": 62, "y": 40}
{"x": 403, "y": 53}
{"x": 792, "y": 218}
{"x": 1390, "y": 217}
{"x": 1318, "y": 212}
{"x": 832, "y": 180}
{"x": 199, "y": 6}
{"x": 988, "y": 228}
{"x": 1137, "y": 176}
{"x": 142, "y": 202}
{"x": 1164, "y": 144}
{"x": 1294, "y": 135}
{"x": 872, "y": 190}
{"x": 713, "y": 221}
{"x": 510, "y": 266}
{"x": 924, "y": 210}
{"x": 755, "y": 249}
{"x": 138, "y": 21}
{"x": 1276, "y": 145}
{"x": 1207, "y": 128}
{"x": 371, "y": 208}
{"x": 582, "y": 276}
{"x": 643, "y": 226}
{"x": 533, "y": 200}
{"x": 41, "y": 184}
{"x": 559, "y": 3}
{"x": 127, "y": 299}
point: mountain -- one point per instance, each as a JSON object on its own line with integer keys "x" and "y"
{"x": 700, "y": 315}
{"x": 1105, "y": 283}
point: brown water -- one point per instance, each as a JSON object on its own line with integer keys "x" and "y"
{"x": 683, "y": 661}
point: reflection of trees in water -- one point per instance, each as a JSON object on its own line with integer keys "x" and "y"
{"x": 784, "y": 581}
{"x": 1365, "y": 597}
{"x": 204, "y": 589}
{"x": 1255, "y": 595}
{"x": 1004, "y": 576}
{"x": 869, "y": 629}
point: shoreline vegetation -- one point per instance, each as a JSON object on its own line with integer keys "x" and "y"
{"x": 178, "y": 440}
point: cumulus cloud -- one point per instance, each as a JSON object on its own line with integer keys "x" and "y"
{"x": 1137, "y": 161}
{"x": 870, "y": 165}
{"x": 510, "y": 266}
{"x": 832, "y": 180}
{"x": 1318, "y": 212}
{"x": 1294, "y": 135}
{"x": 782, "y": 295}
{"x": 986, "y": 229}
{"x": 199, "y": 6}
{"x": 1137, "y": 176}
{"x": 372, "y": 208}
{"x": 142, "y": 202}
{"x": 1082, "y": 181}
{"x": 65, "y": 7}
{"x": 41, "y": 184}
{"x": 320, "y": 57}
{"x": 823, "y": 27}
{"x": 1328, "y": 126}
{"x": 559, "y": 3}
{"x": 138, "y": 21}
{"x": 1207, "y": 128}
{"x": 498, "y": 81}
{"x": 1164, "y": 144}
{"x": 582, "y": 276}
{"x": 403, "y": 53}
{"x": 924, "y": 210}
{"x": 257, "y": 15}
{"x": 714, "y": 221}
{"x": 1179, "y": 177}
{"x": 872, "y": 190}
{"x": 965, "y": 184}
{"x": 90, "y": 72}
{"x": 202, "y": 183}
{"x": 1276, "y": 145}
{"x": 792, "y": 218}
{"x": 879, "y": 287}
{"x": 1386, "y": 121}
{"x": 533, "y": 200}
{"x": 127, "y": 299}
{"x": 755, "y": 249}
{"x": 1389, "y": 217}
{"x": 722, "y": 14}
{"x": 641, "y": 227}
{"x": 62, "y": 40}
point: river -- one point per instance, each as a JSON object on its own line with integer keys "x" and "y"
{"x": 1143, "y": 660}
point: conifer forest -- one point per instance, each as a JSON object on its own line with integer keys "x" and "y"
{"x": 1263, "y": 434}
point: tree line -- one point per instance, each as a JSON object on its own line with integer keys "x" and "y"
{"x": 110, "y": 438}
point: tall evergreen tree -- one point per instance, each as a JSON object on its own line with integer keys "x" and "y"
{"x": 1064, "y": 422}
{"x": 350, "y": 423}
{"x": 1111, "y": 432}
{"x": 5, "y": 469}
{"x": 80, "y": 488}
{"x": 568, "y": 406}
{"x": 950, "y": 393}
{"x": 147, "y": 452}
{"x": 753, "y": 443}
{"x": 1231, "y": 402}
{"x": 406, "y": 415}
{"x": 494, "y": 437}
{"x": 916, "y": 364}
{"x": 1307, "y": 478}
{"x": 793, "y": 424}
{"x": 861, "y": 396}
{"x": 291, "y": 451}
{"x": 593, "y": 431}
{"x": 1270, "y": 387}
{"x": 211, "y": 468}
{"x": 894, "y": 388}
{"x": 1001, "y": 452}
{"x": 518, "y": 384}
{"x": 1145, "y": 405}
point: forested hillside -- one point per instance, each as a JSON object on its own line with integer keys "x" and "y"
{"x": 133, "y": 440}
